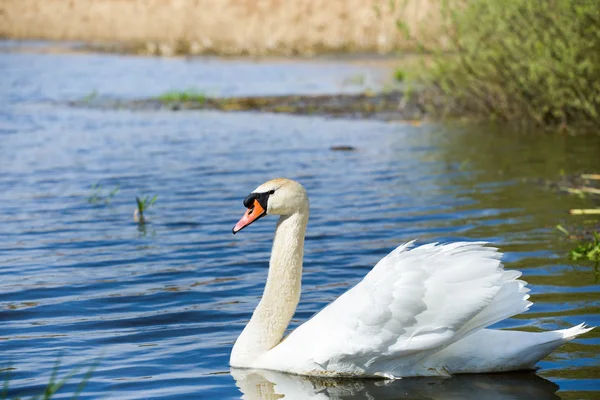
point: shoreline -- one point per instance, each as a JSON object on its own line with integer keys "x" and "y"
{"x": 386, "y": 102}
{"x": 391, "y": 106}
{"x": 45, "y": 46}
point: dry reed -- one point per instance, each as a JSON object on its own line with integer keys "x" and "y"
{"x": 229, "y": 27}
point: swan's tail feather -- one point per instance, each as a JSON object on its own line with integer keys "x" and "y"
{"x": 490, "y": 350}
{"x": 574, "y": 331}
{"x": 511, "y": 299}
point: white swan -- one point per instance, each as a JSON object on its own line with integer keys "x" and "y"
{"x": 418, "y": 312}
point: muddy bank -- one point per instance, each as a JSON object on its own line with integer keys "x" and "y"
{"x": 383, "y": 106}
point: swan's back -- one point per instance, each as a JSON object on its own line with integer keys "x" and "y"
{"x": 412, "y": 304}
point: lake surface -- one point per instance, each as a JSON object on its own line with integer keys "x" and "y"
{"x": 158, "y": 307}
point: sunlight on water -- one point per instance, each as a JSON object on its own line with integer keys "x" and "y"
{"x": 159, "y": 307}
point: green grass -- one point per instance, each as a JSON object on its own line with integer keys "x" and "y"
{"x": 519, "y": 61}
{"x": 143, "y": 204}
{"x": 183, "y": 96}
{"x": 54, "y": 385}
{"x": 99, "y": 195}
{"x": 399, "y": 74}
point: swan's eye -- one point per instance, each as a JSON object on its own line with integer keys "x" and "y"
{"x": 271, "y": 191}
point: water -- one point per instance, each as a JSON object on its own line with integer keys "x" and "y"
{"x": 159, "y": 307}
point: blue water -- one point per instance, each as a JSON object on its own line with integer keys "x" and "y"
{"x": 156, "y": 308}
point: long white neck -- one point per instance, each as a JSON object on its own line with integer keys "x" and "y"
{"x": 281, "y": 295}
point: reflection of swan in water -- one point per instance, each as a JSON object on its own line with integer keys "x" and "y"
{"x": 271, "y": 385}
{"x": 418, "y": 312}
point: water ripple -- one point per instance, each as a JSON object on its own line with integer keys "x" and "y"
{"x": 159, "y": 307}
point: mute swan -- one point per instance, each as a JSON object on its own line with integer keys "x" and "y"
{"x": 421, "y": 311}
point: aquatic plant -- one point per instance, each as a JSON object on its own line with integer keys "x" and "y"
{"x": 90, "y": 96}
{"x": 97, "y": 194}
{"x": 53, "y": 385}
{"x": 584, "y": 250}
{"x": 584, "y": 185}
{"x": 589, "y": 250}
{"x": 143, "y": 204}
{"x": 357, "y": 79}
{"x": 399, "y": 74}
{"x": 518, "y": 60}
{"x": 186, "y": 95}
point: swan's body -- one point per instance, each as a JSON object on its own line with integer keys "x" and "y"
{"x": 418, "y": 312}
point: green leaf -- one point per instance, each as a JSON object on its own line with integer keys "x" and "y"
{"x": 563, "y": 230}
{"x": 140, "y": 205}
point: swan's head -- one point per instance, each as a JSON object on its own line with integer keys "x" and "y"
{"x": 278, "y": 196}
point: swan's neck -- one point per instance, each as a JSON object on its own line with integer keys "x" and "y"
{"x": 281, "y": 295}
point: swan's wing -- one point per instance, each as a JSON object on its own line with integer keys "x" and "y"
{"x": 412, "y": 303}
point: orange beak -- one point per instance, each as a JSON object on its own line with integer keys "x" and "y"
{"x": 252, "y": 214}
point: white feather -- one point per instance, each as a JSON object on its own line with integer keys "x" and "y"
{"x": 412, "y": 304}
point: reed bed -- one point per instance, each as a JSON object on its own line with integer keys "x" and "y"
{"x": 227, "y": 27}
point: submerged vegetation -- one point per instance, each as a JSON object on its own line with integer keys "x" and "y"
{"x": 98, "y": 195}
{"x": 91, "y": 96}
{"x": 586, "y": 249}
{"x": 583, "y": 186}
{"x": 518, "y": 60}
{"x": 587, "y": 246}
{"x": 54, "y": 385}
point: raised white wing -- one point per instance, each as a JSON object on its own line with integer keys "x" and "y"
{"x": 410, "y": 305}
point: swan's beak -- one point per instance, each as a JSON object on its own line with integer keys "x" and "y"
{"x": 252, "y": 214}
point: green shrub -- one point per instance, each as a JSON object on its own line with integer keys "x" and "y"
{"x": 520, "y": 60}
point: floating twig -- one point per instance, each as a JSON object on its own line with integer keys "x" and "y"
{"x": 571, "y": 190}
{"x": 585, "y": 211}
{"x": 590, "y": 190}
{"x": 590, "y": 176}
{"x": 580, "y": 190}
